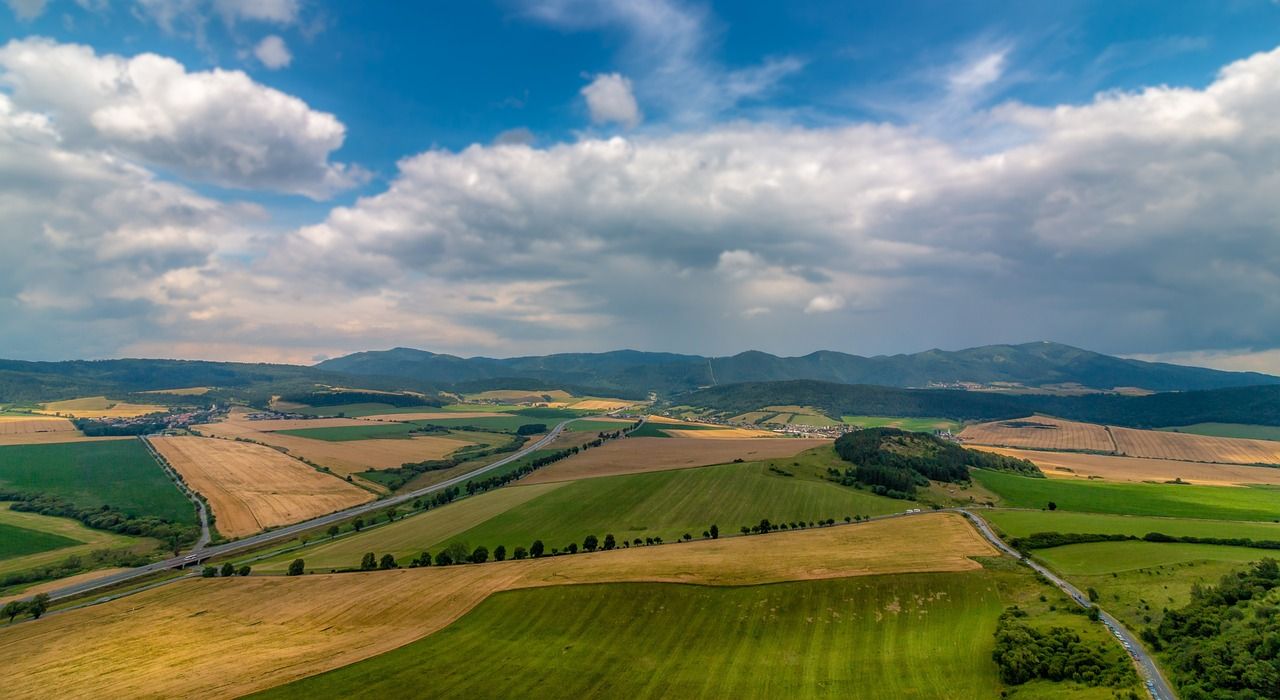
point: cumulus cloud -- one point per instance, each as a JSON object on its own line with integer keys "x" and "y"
{"x": 1139, "y": 222}
{"x": 215, "y": 126}
{"x": 273, "y": 53}
{"x": 609, "y": 100}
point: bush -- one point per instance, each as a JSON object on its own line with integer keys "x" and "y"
{"x": 296, "y": 567}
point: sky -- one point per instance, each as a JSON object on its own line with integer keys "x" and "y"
{"x": 291, "y": 180}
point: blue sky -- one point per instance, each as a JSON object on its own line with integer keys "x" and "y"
{"x": 782, "y": 176}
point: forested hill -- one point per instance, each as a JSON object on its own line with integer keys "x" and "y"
{"x": 1030, "y": 364}
{"x": 1258, "y": 405}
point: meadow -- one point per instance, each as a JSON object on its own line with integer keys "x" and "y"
{"x": 1020, "y": 523}
{"x": 79, "y": 540}
{"x": 1229, "y": 430}
{"x": 923, "y": 636}
{"x": 18, "y": 541}
{"x": 371, "y": 431}
{"x": 118, "y": 473}
{"x": 918, "y": 425}
{"x": 507, "y": 424}
{"x": 100, "y": 407}
{"x": 659, "y": 429}
{"x": 1171, "y": 500}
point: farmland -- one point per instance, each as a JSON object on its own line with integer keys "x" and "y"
{"x": 1230, "y": 430}
{"x": 80, "y": 540}
{"x": 1197, "y": 448}
{"x": 1068, "y": 465}
{"x": 251, "y": 487}
{"x": 100, "y": 407}
{"x": 119, "y": 473}
{"x": 669, "y": 504}
{"x": 925, "y": 635}
{"x": 24, "y": 425}
{"x": 637, "y": 454}
{"x": 1041, "y": 433}
{"x": 1170, "y": 500}
{"x": 17, "y": 541}
{"x": 238, "y": 635}
{"x": 1020, "y": 523}
{"x": 919, "y": 425}
{"x": 371, "y": 431}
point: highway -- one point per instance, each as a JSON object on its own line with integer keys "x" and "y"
{"x": 199, "y": 555}
{"x": 1157, "y": 686}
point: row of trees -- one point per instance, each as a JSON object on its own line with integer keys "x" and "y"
{"x": 34, "y": 607}
{"x": 227, "y": 570}
{"x": 1225, "y": 643}
{"x": 75, "y": 564}
{"x": 104, "y": 517}
{"x": 1045, "y": 540}
{"x": 765, "y": 526}
{"x": 1024, "y": 653}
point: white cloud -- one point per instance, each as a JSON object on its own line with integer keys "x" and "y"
{"x": 273, "y": 53}
{"x": 609, "y": 100}
{"x": 27, "y": 10}
{"x": 216, "y": 126}
{"x": 282, "y": 12}
{"x": 824, "y": 303}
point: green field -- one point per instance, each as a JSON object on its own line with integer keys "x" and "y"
{"x": 408, "y": 537}
{"x": 596, "y": 426}
{"x": 669, "y": 504}
{"x": 1229, "y": 430}
{"x": 506, "y": 424}
{"x": 1020, "y": 523}
{"x": 1137, "y": 581}
{"x": 919, "y": 425}
{"x": 904, "y": 636}
{"x": 479, "y": 408}
{"x": 1179, "y": 501}
{"x": 83, "y": 541}
{"x": 355, "y": 432}
{"x": 812, "y": 419}
{"x": 119, "y": 473}
{"x": 654, "y": 429}
{"x": 18, "y": 541}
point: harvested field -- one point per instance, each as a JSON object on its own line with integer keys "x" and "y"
{"x": 350, "y": 457}
{"x": 187, "y": 391}
{"x": 26, "y": 425}
{"x": 251, "y": 487}
{"x": 719, "y": 433}
{"x": 1042, "y": 433}
{"x": 1195, "y": 448}
{"x": 1082, "y": 466}
{"x": 48, "y": 586}
{"x": 522, "y": 396}
{"x": 100, "y": 407}
{"x": 238, "y": 635}
{"x": 601, "y": 405}
{"x": 633, "y": 455}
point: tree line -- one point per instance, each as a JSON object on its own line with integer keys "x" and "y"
{"x": 1046, "y": 540}
{"x": 894, "y": 462}
{"x": 104, "y": 517}
{"x": 1024, "y": 653}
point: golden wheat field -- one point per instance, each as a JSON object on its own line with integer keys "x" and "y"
{"x": 1112, "y": 468}
{"x": 648, "y": 454}
{"x": 228, "y": 637}
{"x": 1197, "y": 448}
{"x": 1042, "y": 433}
{"x": 251, "y": 487}
{"x": 99, "y": 407}
{"x": 25, "y": 425}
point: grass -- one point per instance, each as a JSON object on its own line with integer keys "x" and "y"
{"x": 506, "y": 424}
{"x": 655, "y": 429}
{"x": 354, "y": 432}
{"x": 596, "y": 426}
{"x": 83, "y": 540}
{"x": 479, "y": 408}
{"x": 119, "y": 473}
{"x": 1229, "y": 430}
{"x": 927, "y": 635}
{"x": 1180, "y": 501}
{"x": 1020, "y": 523}
{"x": 669, "y": 504}
{"x": 18, "y": 541}
{"x": 1138, "y": 581}
{"x": 919, "y": 425}
{"x": 358, "y": 410}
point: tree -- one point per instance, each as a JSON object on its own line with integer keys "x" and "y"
{"x": 1053, "y": 506}
{"x": 423, "y": 559}
{"x": 715, "y": 532}
{"x": 458, "y": 552}
{"x": 391, "y": 514}
{"x": 499, "y": 553}
{"x": 388, "y": 562}
{"x": 38, "y": 606}
{"x": 520, "y": 553}
{"x": 228, "y": 569}
{"x": 1093, "y": 594}
{"x": 209, "y": 572}
{"x": 609, "y": 542}
{"x": 746, "y": 530}
{"x": 1094, "y": 615}
{"x": 333, "y": 531}
{"x": 590, "y": 543}
{"x": 443, "y": 559}
{"x": 358, "y": 524}
{"x": 572, "y": 548}
{"x": 537, "y": 548}
{"x": 480, "y": 555}
{"x": 296, "y": 567}
{"x": 244, "y": 570}
{"x": 13, "y": 609}
{"x": 368, "y": 562}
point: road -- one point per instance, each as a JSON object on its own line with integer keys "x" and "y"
{"x": 201, "y": 554}
{"x": 205, "y": 536}
{"x": 1158, "y": 687}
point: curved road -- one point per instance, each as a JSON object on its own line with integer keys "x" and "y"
{"x": 200, "y": 555}
{"x": 1156, "y": 683}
